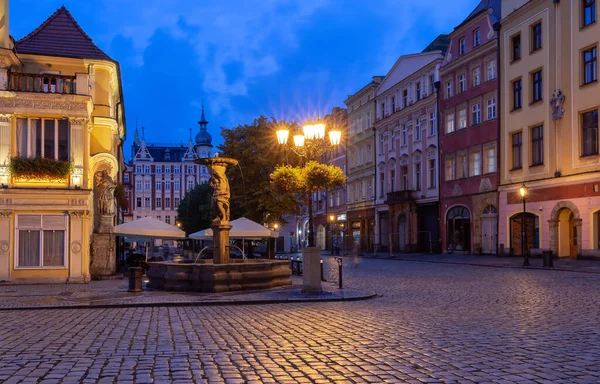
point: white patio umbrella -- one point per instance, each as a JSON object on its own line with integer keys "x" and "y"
{"x": 149, "y": 228}
{"x": 242, "y": 228}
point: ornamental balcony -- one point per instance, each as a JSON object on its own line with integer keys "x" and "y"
{"x": 399, "y": 197}
{"x": 42, "y": 83}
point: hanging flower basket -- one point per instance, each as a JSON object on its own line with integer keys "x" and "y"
{"x": 25, "y": 168}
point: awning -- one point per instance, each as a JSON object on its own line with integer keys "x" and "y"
{"x": 241, "y": 228}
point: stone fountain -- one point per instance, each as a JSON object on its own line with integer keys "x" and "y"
{"x": 219, "y": 274}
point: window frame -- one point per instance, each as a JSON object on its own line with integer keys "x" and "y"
{"x": 460, "y": 119}
{"x": 462, "y": 83}
{"x": 491, "y": 107}
{"x": 537, "y": 86}
{"x": 593, "y": 135}
{"x": 517, "y": 150}
{"x": 585, "y": 5}
{"x": 41, "y": 228}
{"x": 593, "y": 63}
{"x": 477, "y": 37}
{"x": 515, "y": 47}
{"x": 449, "y": 89}
{"x": 517, "y": 91}
{"x": 476, "y": 77}
{"x": 432, "y": 179}
{"x": 462, "y": 46}
{"x": 450, "y": 119}
{"x": 476, "y": 114}
{"x": 491, "y": 64}
{"x": 31, "y": 147}
{"x": 537, "y": 38}
{"x": 450, "y": 166}
{"x": 537, "y": 145}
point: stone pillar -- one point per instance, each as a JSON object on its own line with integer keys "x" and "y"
{"x": 5, "y": 244}
{"x": 221, "y": 243}
{"x": 76, "y": 251}
{"x": 311, "y": 270}
{"x": 5, "y": 121}
{"x": 103, "y": 255}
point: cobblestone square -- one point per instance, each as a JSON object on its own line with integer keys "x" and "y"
{"x": 432, "y": 323}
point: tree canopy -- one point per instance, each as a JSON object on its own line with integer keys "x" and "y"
{"x": 195, "y": 210}
{"x": 304, "y": 180}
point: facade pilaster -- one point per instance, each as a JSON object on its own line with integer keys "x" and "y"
{"x": 5, "y": 244}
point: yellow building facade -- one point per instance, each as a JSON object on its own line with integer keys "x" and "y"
{"x": 61, "y": 125}
{"x": 549, "y": 127}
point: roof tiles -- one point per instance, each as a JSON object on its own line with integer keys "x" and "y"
{"x": 60, "y": 35}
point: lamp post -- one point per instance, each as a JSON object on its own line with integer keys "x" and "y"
{"x": 310, "y": 144}
{"x": 523, "y": 193}
{"x": 332, "y": 226}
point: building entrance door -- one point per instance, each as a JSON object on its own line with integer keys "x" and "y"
{"x": 574, "y": 237}
{"x": 489, "y": 230}
{"x": 402, "y": 233}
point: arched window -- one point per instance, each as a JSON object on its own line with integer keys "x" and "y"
{"x": 490, "y": 210}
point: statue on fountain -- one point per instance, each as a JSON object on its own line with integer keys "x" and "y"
{"x": 220, "y": 194}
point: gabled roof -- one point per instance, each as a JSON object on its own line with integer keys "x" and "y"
{"x": 483, "y": 6}
{"x": 60, "y": 35}
{"x": 440, "y": 43}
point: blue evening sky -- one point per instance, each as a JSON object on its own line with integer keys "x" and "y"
{"x": 289, "y": 59}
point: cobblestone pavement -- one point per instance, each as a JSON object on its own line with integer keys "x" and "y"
{"x": 434, "y": 323}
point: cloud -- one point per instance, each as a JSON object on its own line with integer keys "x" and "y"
{"x": 222, "y": 33}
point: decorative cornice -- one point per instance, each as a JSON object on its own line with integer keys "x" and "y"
{"x": 33, "y": 101}
{"x": 77, "y": 120}
{"x": 5, "y": 213}
{"x": 78, "y": 214}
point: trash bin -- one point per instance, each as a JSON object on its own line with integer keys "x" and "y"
{"x": 548, "y": 258}
{"x": 135, "y": 279}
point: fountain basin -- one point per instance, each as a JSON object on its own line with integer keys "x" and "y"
{"x": 208, "y": 277}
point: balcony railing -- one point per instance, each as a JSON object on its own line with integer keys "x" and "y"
{"x": 42, "y": 83}
{"x": 398, "y": 197}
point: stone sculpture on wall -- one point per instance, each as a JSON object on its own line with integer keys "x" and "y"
{"x": 556, "y": 103}
{"x": 105, "y": 190}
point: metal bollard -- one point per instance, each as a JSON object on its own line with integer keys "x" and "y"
{"x": 135, "y": 279}
{"x": 340, "y": 274}
{"x": 548, "y": 262}
{"x": 322, "y": 277}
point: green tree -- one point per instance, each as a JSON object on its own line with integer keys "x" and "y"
{"x": 300, "y": 182}
{"x": 255, "y": 147}
{"x": 195, "y": 210}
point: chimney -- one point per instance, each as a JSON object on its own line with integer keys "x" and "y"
{"x": 4, "y": 32}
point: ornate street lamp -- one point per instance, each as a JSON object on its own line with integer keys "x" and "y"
{"x": 310, "y": 144}
{"x": 523, "y": 193}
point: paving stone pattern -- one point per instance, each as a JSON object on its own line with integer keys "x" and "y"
{"x": 435, "y": 323}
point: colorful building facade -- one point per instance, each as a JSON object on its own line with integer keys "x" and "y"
{"x": 469, "y": 106}
{"x": 407, "y": 187}
{"x": 360, "y": 185}
{"x": 549, "y": 128}
{"x": 61, "y": 132}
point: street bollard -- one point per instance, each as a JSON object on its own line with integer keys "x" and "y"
{"x": 340, "y": 275}
{"x": 322, "y": 277}
{"x": 548, "y": 262}
{"x": 135, "y": 279}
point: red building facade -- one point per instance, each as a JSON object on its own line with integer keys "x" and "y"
{"x": 469, "y": 107}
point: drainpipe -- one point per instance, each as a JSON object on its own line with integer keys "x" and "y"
{"x": 439, "y": 160}
{"x": 497, "y": 28}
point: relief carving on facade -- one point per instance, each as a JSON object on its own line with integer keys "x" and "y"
{"x": 485, "y": 185}
{"x": 457, "y": 191}
{"x": 75, "y": 246}
{"x": 5, "y": 118}
{"x": 4, "y": 247}
{"x": 5, "y": 213}
{"x": 32, "y": 102}
{"x": 556, "y": 103}
{"x": 4, "y": 201}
